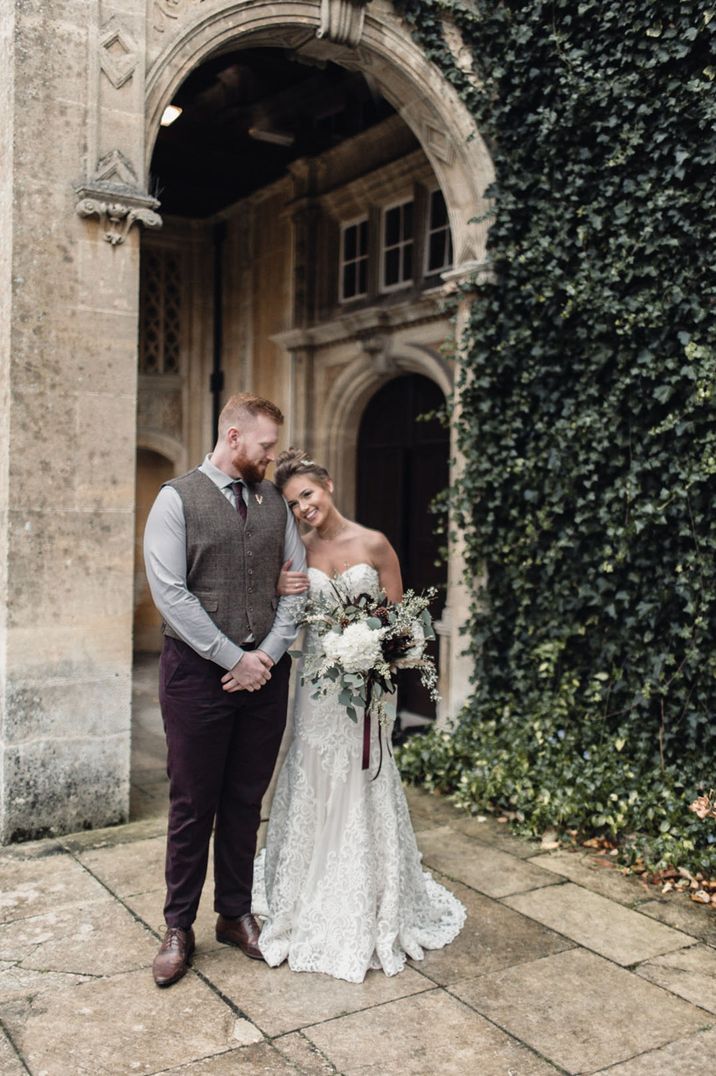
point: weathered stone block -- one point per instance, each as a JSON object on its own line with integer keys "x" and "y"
{"x": 52, "y": 50}
{"x": 56, "y": 786}
{"x": 92, "y": 708}
{"x": 59, "y": 582}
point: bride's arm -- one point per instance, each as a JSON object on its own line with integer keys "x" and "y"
{"x": 291, "y": 583}
{"x": 386, "y": 562}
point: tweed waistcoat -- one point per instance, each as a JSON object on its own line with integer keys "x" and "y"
{"x": 233, "y": 567}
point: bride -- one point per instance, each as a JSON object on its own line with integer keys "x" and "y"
{"x": 340, "y": 882}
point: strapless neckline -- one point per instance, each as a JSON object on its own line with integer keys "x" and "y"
{"x": 339, "y": 575}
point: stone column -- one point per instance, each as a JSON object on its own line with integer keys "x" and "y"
{"x": 70, "y": 85}
{"x": 457, "y": 667}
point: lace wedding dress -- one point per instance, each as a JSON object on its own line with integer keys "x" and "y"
{"x": 340, "y": 881}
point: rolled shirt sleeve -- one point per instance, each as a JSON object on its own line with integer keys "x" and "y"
{"x": 165, "y": 564}
{"x": 285, "y": 625}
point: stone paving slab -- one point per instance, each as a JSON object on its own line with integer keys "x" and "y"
{"x": 690, "y": 973}
{"x": 123, "y": 1025}
{"x": 422, "y": 1036}
{"x": 581, "y": 1011}
{"x": 693, "y": 1056}
{"x": 428, "y": 810}
{"x": 32, "y": 886}
{"x": 10, "y": 1064}
{"x": 678, "y": 911}
{"x": 17, "y": 981}
{"x": 486, "y": 869}
{"x": 297, "y": 1050}
{"x": 494, "y": 833}
{"x": 259, "y": 1060}
{"x": 599, "y": 924}
{"x": 112, "y": 836}
{"x": 94, "y": 939}
{"x": 493, "y": 937}
{"x": 596, "y": 873}
{"x": 279, "y": 1000}
{"x": 128, "y": 868}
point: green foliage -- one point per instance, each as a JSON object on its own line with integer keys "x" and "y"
{"x": 589, "y": 420}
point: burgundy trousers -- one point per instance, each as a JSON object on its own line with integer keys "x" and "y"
{"x": 221, "y": 752}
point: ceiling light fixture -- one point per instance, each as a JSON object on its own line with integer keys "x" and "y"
{"x": 276, "y": 138}
{"x": 170, "y": 113}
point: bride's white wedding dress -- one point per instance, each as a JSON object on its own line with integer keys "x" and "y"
{"x": 340, "y": 882}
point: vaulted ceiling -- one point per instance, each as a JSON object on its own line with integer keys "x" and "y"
{"x": 246, "y": 115}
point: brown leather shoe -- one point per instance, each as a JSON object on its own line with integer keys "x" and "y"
{"x": 243, "y": 932}
{"x": 174, "y": 956}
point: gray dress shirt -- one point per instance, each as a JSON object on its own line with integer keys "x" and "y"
{"x": 165, "y": 563}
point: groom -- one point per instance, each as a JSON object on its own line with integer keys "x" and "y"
{"x": 214, "y": 544}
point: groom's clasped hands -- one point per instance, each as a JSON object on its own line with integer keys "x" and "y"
{"x": 250, "y": 673}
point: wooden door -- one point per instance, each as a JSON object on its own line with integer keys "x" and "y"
{"x": 402, "y": 464}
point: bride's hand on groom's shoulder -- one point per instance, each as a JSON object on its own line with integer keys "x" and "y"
{"x": 291, "y": 583}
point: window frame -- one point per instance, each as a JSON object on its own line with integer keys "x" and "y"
{"x": 364, "y": 218}
{"x": 427, "y": 271}
{"x": 407, "y": 199}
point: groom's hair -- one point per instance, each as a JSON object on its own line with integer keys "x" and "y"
{"x": 241, "y": 408}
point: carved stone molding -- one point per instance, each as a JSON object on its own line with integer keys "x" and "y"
{"x": 118, "y": 53}
{"x": 439, "y": 143}
{"x": 118, "y": 208}
{"x": 115, "y": 168}
{"x": 166, "y": 11}
{"x": 342, "y": 21}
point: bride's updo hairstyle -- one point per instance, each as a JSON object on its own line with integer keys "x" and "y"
{"x": 293, "y": 462}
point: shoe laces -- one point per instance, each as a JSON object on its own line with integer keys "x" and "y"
{"x": 175, "y": 938}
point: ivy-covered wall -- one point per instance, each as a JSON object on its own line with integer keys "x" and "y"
{"x": 589, "y": 421}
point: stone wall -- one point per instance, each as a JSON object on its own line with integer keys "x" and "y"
{"x": 68, "y": 453}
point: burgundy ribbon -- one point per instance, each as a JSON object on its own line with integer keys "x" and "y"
{"x": 366, "y": 734}
{"x": 366, "y": 726}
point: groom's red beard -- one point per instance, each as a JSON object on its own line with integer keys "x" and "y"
{"x": 251, "y": 472}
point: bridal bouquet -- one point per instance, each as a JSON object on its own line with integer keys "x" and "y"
{"x": 364, "y": 640}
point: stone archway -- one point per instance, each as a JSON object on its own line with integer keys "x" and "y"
{"x": 382, "y": 49}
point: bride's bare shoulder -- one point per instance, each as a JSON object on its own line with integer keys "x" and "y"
{"x": 375, "y": 542}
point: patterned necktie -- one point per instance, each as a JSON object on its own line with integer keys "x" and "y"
{"x": 238, "y": 488}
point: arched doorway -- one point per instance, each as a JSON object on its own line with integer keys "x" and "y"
{"x": 402, "y": 465}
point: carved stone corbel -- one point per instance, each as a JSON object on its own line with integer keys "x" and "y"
{"x": 118, "y": 208}
{"x": 342, "y": 21}
{"x": 114, "y": 196}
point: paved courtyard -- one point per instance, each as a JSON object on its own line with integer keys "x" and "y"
{"x": 564, "y": 966}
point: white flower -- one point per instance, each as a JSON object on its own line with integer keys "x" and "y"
{"x": 357, "y": 649}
